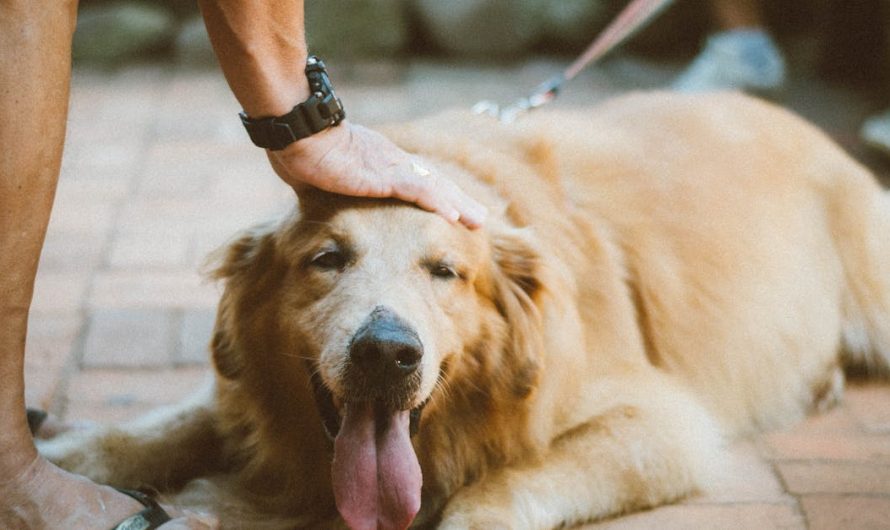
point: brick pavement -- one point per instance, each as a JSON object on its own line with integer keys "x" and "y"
{"x": 157, "y": 173}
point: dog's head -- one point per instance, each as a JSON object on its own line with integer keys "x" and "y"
{"x": 379, "y": 309}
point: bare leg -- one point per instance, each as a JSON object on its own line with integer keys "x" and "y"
{"x": 34, "y": 71}
{"x": 35, "y": 67}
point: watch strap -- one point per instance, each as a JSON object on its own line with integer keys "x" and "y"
{"x": 320, "y": 111}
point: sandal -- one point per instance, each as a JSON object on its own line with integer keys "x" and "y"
{"x": 153, "y": 516}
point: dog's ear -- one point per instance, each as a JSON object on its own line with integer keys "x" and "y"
{"x": 247, "y": 266}
{"x": 518, "y": 259}
{"x": 225, "y": 358}
{"x": 518, "y": 287}
{"x": 252, "y": 251}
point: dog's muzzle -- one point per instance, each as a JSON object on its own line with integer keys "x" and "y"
{"x": 383, "y": 367}
{"x": 330, "y": 417}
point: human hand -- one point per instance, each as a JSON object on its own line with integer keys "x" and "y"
{"x": 352, "y": 160}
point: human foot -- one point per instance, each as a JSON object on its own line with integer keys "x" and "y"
{"x": 43, "y": 496}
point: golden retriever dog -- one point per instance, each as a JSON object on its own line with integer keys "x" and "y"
{"x": 658, "y": 274}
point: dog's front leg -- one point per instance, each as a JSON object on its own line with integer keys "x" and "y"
{"x": 161, "y": 450}
{"x": 641, "y": 454}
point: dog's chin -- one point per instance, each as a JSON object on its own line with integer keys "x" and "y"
{"x": 330, "y": 407}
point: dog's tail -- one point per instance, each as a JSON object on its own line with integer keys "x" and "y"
{"x": 861, "y": 230}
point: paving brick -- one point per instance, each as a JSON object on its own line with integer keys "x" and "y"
{"x": 218, "y": 124}
{"x": 206, "y": 248}
{"x": 59, "y": 292}
{"x": 114, "y": 396}
{"x": 205, "y": 213}
{"x": 91, "y": 190}
{"x": 91, "y": 217}
{"x": 196, "y": 88}
{"x": 728, "y": 517}
{"x": 839, "y": 446}
{"x": 126, "y": 388}
{"x": 141, "y": 250}
{"x": 175, "y": 289}
{"x": 118, "y": 156}
{"x": 76, "y": 253}
{"x": 835, "y": 477}
{"x": 41, "y": 386}
{"x": 51, "y": 339}
{"x": 104, "y": 414}
{"x": 870, "y": 404}
{"x": 49, "y": 348}
{"x": 129, "y": 338}
{"x": 168, "y": 174}
{"x": 196, "y": 330}
{"x": 114, "y": 176}
{"x": 748, "y": 479}
{"x": 837, "y": 420}
{"x": 830, "y": 512}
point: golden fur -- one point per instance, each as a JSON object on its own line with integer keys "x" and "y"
{"x": 658, "y": 273}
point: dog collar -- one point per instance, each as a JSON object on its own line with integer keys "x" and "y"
{"x": 322, "y": 110}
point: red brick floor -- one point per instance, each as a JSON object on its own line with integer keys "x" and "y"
{"x": 158, "y": 173}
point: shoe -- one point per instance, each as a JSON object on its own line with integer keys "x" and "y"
{"x": 746, "y": 60}
{"x": 875, "y": 132}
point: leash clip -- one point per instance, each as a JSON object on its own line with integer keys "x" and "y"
{"x": 635, "y": 15}
{"x": 545, "y": 93}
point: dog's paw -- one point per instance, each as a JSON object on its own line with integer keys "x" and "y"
{"x": 476, "y": 516}
{"x": 474, "y": 523}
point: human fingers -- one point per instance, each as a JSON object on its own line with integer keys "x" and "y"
{"x": 436, "y": 193}
{"x": 472, "y": 213}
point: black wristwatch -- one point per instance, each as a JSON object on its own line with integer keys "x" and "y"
{"x": 321, "y": 111}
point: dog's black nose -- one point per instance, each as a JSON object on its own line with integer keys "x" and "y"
{"x": 386, "y": 349}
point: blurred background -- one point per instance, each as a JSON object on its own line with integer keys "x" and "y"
{"x": 501, "y": 49}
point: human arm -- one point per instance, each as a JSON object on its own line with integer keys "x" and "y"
{"x": 261, "y": 48}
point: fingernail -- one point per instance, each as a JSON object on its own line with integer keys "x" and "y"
{"x": 475, "y": 217}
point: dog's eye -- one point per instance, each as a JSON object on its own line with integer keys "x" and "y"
{"x": 329, "y": 260}
{"x": 443, "y": 271}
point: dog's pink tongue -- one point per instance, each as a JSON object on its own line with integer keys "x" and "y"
{"x": 376, "y": 475}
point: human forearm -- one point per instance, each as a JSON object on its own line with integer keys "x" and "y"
{"x": 261, "y": 47}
